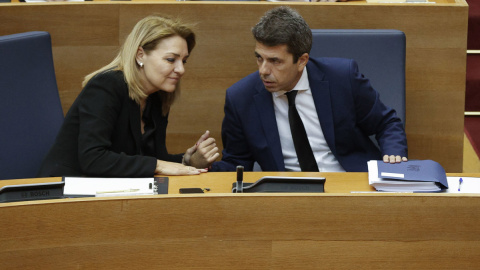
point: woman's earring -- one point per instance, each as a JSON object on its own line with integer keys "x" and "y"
{"x": 140, "y": 64}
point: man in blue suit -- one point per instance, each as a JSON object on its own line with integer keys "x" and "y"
{"x": 337, "y": 106}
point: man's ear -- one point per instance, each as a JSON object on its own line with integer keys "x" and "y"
{"x": 302, "y": 61}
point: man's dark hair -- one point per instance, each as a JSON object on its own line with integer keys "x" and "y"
{"x": 283, "y": 25}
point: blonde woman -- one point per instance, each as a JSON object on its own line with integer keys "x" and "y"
{"x": 117, "y": 125}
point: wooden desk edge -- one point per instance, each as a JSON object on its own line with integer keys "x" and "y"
{"x": 234, "y": 195}
{"x": 260, "y": 2}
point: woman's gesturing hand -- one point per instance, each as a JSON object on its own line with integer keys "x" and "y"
{"x": 173, "y": 168}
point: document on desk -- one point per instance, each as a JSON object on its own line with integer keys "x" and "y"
{"x": 410, "y": 176}
{"x": 463, "y": 185}
{"x": 104, "y": 187}
{"x": 402, "y": 1}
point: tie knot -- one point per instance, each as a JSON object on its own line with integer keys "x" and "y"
{"x": 291, "y": 97}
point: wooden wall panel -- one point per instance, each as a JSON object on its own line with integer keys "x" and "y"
{"x": 86, "y": 36}
{"x": 382, "y": 255}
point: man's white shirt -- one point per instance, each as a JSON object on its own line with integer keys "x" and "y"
{"x": 326, "y": 161}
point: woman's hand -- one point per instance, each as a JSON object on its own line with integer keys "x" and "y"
{"x": 173, "y": 168}
{"x": 203, "y": 153}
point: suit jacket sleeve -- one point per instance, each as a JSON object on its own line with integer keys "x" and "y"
{"x": 375, "y": 118}
{"x": 235, "y": 146}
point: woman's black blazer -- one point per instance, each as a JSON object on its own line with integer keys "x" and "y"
{"x": 101, "y": 135}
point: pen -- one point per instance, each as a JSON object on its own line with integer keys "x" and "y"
{"x": 119, "y": 191}
{"x": 460, "y": 181}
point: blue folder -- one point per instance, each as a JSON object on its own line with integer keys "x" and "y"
{"x": 414, "y": 170}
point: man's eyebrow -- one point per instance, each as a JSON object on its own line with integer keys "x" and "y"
{"x": 268, "y": 58}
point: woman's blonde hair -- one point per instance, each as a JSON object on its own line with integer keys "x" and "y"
{"x": 147, "y": 33}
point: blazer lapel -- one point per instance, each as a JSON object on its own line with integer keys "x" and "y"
{"x": 321, "y": 96}
{"x": 264, "y": 105}
{"x": 159, "y": 121}
{"x": 135, "y": 127}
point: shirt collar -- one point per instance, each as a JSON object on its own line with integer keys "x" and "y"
{"x": 302, "y": 84}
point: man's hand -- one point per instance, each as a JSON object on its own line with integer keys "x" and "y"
{"x": 203, "y": 153}
{"x": 394, "y": 159}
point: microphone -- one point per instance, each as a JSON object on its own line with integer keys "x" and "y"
{"x": 239, "y": 179}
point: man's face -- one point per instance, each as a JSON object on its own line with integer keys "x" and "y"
{"x": 276, "y": 67}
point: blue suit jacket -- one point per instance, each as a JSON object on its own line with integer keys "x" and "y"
{"x": 348, "y": 108}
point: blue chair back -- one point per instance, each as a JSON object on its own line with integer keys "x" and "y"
{"x": 380, "y": 55}
{"x": 30, "y": 109}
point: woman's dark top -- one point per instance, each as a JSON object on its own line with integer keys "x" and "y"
{"x": 101, "y": 135}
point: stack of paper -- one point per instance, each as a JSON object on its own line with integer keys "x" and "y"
{"x": 101, "y": 187}
{"x": 399, "y": 1}
{"x": 410, "y": 176}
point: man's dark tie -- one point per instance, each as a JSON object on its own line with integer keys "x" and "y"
{"x": 299, "y": 135}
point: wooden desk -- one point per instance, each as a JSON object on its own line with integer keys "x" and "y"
{"x": 221, "y": 182}
{"x": 245, "y": 231}
{"x": 86, "y": 36}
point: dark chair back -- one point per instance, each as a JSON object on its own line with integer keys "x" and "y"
{"x": 30, "y": 109}
{"x": 380, "y": 55}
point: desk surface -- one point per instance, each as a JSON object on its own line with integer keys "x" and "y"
{"x": 244, "y": 231}
{"x": 221, "y": 182}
